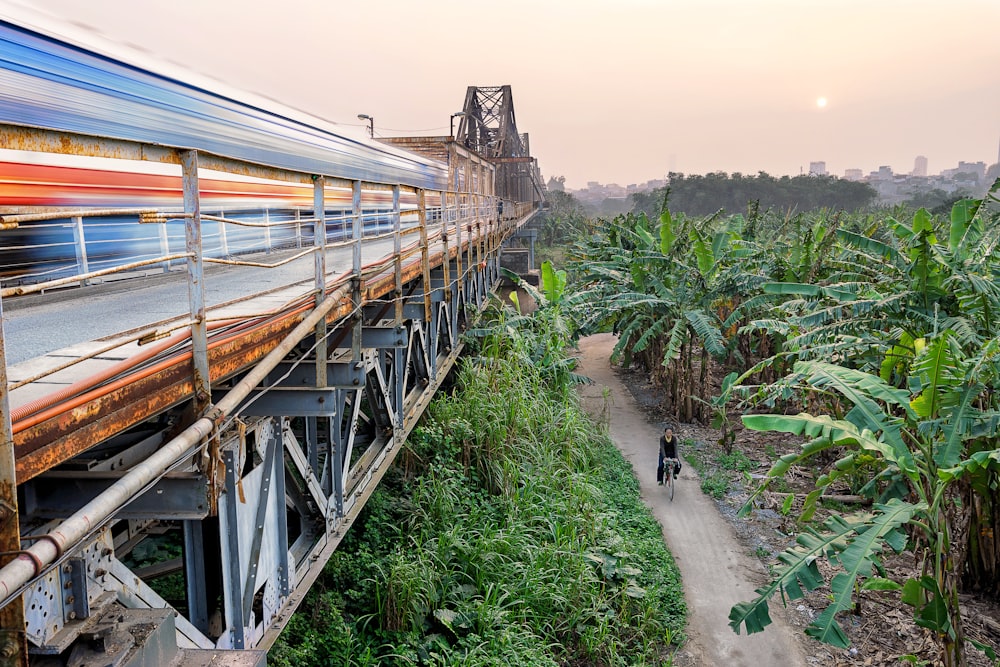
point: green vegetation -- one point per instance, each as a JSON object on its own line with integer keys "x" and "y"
{"x": 735, "y": 461}
{"x": 715, "y": 485}
{"x": 509, "y": 534}
{"x": 563, "y": 221}
{"x": 881, "y": 334}
{"x": 718, "y": 470}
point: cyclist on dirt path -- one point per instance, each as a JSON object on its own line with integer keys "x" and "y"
{"x": 668, "y": 450}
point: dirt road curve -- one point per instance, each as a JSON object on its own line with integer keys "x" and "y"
{"x": 715, "y": 570}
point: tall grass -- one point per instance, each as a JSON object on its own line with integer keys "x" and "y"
{"x": 510, "y": 534}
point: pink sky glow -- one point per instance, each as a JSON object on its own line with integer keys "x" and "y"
{"x": 614, "y": 90}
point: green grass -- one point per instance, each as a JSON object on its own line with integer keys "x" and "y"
{"x": 715, "y": 485}
{"x": 736, "y": 461}
{"x": 520, "y": 540}
{"x": 718, "y": 470}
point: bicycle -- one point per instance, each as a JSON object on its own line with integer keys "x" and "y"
{"x": 668, "y": 476}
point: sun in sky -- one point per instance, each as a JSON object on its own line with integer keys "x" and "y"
{"x": 820, "y": 102}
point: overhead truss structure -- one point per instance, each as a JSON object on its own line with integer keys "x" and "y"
{"x": 489, "y": 128}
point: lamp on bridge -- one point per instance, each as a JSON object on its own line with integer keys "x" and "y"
{"x": 451, "y": 131}
{"x": 371, "y": 123}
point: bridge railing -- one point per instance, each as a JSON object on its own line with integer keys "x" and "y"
{"x": 287, "y": 235}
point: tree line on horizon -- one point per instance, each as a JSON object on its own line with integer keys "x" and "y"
{"x": 699, "y": 195}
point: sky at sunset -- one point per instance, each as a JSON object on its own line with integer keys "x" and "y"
{"x": 614, "y": 90}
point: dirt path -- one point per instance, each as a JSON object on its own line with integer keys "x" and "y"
{"x": 715, "y": 570}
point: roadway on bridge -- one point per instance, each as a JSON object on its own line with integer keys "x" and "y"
{"x": 36, "y": 325}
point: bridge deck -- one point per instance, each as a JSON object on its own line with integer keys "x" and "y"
{"x": 46, "y": 331}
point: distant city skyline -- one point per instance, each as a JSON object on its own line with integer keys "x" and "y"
{"x": 623, "y": 90}
{"x": 818, "y": 168}
{"x": 921, "y": 166}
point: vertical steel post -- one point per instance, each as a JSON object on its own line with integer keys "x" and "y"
{"x": 164, "y": 245}
{"x": 356, "y": 269}
{"x": 278, "y": 442}
{"x": 298, "y": 228}
{"x": 194, "y": 575}
{"x": 398, "y": 359}
{"x": 458, "y": 253}
{"x": 446, "y": 263}
{"x": 13, "y": 641}
{"x": 425, "y": 264}
{"x": 223, "y": 240}
{"x": 196, "y": 280}
{"x": 319, "y": 242}
{"x": 234, "y": 592}
{"x": 480, "y": 247}
{"x": 80, "y": 245}
{"x": 267, "y": 230}
{"x": 397, "y": 247}
{"x": 470, "y": 271}
{"x": 335, "y": 438}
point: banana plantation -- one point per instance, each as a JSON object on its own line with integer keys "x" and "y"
{"x": 873, "y": 337}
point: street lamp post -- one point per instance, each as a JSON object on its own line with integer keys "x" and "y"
{"x": 371, "y": 123}
{"x": 451, "y": 131}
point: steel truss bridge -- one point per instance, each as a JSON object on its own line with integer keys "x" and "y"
{"x": 230, "y": 353}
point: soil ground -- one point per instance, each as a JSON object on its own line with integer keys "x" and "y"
{"x": 723, "y": 559}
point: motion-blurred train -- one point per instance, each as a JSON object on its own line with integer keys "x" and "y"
{"x": 57, "y": 81}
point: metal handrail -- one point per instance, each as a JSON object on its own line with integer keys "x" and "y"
{"x": 40, "y": 287}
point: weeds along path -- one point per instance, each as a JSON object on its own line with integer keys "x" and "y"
{"x": 715, "y": 571}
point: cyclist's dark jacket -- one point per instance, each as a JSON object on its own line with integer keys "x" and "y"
{"x": 668, "y": 450}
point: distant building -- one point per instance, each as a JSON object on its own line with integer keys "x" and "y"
{"x": 817, "y": 169}
{"x": 884, "y": 173}
{"x": 974, "y": 172}
{"x": 919, "y": 166}
{"x": 853, "y": 174}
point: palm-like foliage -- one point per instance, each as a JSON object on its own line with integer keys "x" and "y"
{"x": 674, "y": 294}
{"x": 910, "y": 323}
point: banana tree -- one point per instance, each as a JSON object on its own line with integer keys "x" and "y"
{"x": 932, "y": 435}
{"x": 641, "y": 279}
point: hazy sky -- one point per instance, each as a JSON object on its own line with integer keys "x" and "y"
{"x": 615, "y": 90}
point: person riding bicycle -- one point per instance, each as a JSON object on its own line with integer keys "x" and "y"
{"x": 668, "y": 450}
